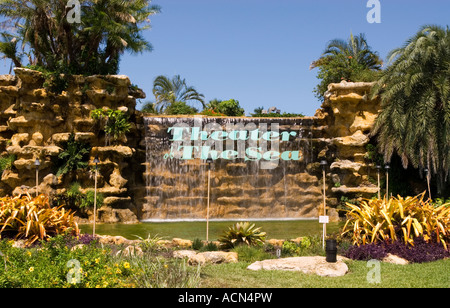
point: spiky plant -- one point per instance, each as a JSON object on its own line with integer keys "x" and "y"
{"x": 404, "y": 219}
{"x": 34, "y": 219}
{"x": 242, "y": 233}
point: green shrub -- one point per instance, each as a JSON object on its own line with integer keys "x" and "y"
{"x": 115, "y": 123}
{"x": 151, "y": 244}
{"x": 229, "y": 108}
{"x": 74, "y": 156}
{"x": 74, "y": 198}
{"x": 55, "y": 81}
{"x": 55, "y": 264}
{"x": 308, "y": 246}
{"x": 163, "y": 273}
{"x": 242, "y": 233}
{"x": 197, "y": 244}
{"x": 290, "y": 248}
{"x": 6, "y": 162}
{"x": 441, "y": 201}
{"x": 180, "y": 108}
{"x": 210, "y": 247}
{"x": 88, "y": 200}
{"x": 252, "y": 253}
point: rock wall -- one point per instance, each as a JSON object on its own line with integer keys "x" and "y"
{"x": 35, "y": 123}
{"x": 348, "y": 116}
{"x": 138, "y": 184}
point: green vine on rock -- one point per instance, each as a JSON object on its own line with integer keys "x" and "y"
{"x": 115, "y": 123}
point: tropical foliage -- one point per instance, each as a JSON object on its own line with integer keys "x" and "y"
{"x": 378, "y": 220}
{"x": 6, "y": 162}
{"x": 230, "y": 107}
{"x": 73, "y": 198}
{"x": 115, "y": 123}
{"x": 169, "y": 91}
{"x": 23, "y": 217}
{"x": 75, "y": 156}
{"x": 66, "y": 261}
{"x": 415, "y": 96}
{"x": 242, "y": 233}
{"x": 148, "y": 107}
{"x": 92, "y": 45}
{"x": 212, "y": 113}
{"x": 351, "y": 60}
{"x": 177, "y": 108}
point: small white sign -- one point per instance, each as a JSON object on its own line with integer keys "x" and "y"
{"x": 324, "y": 219}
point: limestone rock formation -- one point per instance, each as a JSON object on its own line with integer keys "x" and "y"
{"x": 308, "y": 265}
{"x": 207, "y": 257}
{"x": 349, "y": 115}
{"x": 36, "y": 123}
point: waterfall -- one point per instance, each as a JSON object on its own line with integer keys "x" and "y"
{"x": 246, "y": 184}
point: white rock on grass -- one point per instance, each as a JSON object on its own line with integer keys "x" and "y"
{"x": 213, "y": 257}
{"x": 308, "y": 265}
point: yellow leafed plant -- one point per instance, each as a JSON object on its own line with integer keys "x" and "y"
{"x": 398, "y": 219}
{"x": 30, "y": 218}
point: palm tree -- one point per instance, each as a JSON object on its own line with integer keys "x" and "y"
{"x": 108, "y": 28}
{"x": 355, "y": 48}
{"x": 349, "y": 60}
{"x": 415, "y": 97}
{"x": 169, "y": 91}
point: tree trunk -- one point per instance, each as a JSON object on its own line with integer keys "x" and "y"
{"x": 440, "y": 182}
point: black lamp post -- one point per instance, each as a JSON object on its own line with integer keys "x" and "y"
{"x": 96, "y": 162}
{"x": 209, "y": 161}
{"x": 387, "y": 168}
{"x": 37, "y": 163}
{"x": 378, "y": 175}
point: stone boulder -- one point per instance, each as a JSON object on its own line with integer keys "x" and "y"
{"x": 130, "y": 250}
{"x": 390, "y": 258}
{"x": 308, "y": 265}
{"x": 207, "y": 257}
{"x": 116, "y": 240}
{"x": 178, "y": 242}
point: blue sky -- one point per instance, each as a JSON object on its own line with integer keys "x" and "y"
{"x": 259, "y": 51}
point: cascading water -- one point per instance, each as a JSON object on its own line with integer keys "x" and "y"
{"x": 247, "y": 179}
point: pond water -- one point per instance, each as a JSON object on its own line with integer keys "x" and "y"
{"x": 280, "y": 229}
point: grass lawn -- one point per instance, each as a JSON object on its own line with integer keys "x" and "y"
{"x": 425, "y": 275}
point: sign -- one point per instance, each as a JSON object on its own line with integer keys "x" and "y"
{"x": 250, "y": 142}
{"x": 324, "y": 219}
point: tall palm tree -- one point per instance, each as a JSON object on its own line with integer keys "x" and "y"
{"x": 349, "y": 60}
{"x": 355, "y": 48}
{"x": 415, "y": 96}
{"x": 169, "y": 91}
{"x": 108, "y": 28}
